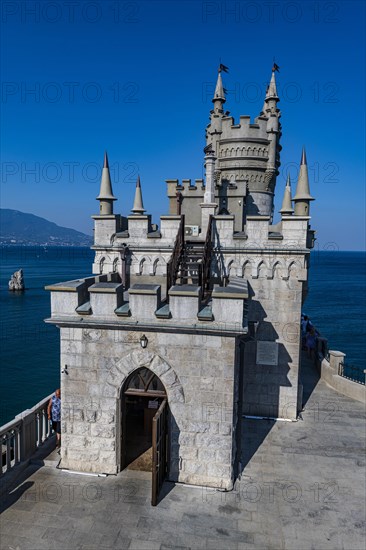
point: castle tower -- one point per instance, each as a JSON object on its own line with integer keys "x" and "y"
{"x": 261, "y": 191}
{"x": 138, "y": 205}
{"x": 287, "y": 209}
{"x": 247, "y": 157}
{"x": 106, "y": 196}
{"x": 302, "y": 197}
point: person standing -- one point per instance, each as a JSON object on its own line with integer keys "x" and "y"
{"x": 311, "y": 338}
{"x": 54, "y": 414}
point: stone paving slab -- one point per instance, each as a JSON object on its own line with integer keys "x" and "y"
{"x": 302, "y": 487}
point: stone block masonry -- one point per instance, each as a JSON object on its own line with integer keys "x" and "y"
{"x": 202, "y": 412}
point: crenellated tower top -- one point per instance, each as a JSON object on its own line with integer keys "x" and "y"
{"x": 248, "y": 155}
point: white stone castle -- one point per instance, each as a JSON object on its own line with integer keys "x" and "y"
{"x": 187, "y": 326}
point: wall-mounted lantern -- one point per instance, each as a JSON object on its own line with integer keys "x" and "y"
{"x": 143, "y": 341}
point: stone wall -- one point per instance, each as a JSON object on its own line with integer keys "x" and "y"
{"x": 200, "y": 374}
{"x": 275, "y": 308}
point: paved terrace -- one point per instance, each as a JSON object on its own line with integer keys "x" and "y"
{"x": 303, "y": 487}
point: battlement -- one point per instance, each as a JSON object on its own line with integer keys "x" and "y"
{"x": 185, "y": 186}
{"x": 291, "y": 233}
{"x": 245, "y": 129}
{"x": 138, "y": 229}
{"x": 94, "y": 300}
{"x": 75, "y": 294}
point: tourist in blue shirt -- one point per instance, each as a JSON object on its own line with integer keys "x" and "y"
{"x": 54, "y": 415}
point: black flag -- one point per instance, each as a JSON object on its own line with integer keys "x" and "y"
{"x": 223, "y": 68}
{"x": 275, "y": 68}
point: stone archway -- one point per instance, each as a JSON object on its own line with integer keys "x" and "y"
{"x": 142, "y": 395}
{"x": 118, "y": 372}
{"x": 122, "y": 368}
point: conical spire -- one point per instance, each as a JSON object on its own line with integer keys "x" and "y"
{"x": 106, "y": 192}
{"x": 106, "y": 196}
{"x": 272, "y": 88}
{"x": 271, "y": 99}
{"x": 286, "y": 203}
{"x": 303, "y": 157}
{"x": 219, "y": 90}
{"x": 302, "y": 196}
{"x": 138, "y": 206}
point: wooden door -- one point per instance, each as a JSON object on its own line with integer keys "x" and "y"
{"x": 159, "y": 450}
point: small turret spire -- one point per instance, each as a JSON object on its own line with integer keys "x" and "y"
{"x": 106, "y": 196}
{"x": 272, "y": 88}
{"x": 302, "y": 197}
{"x": 219, "y": 90}
{"x": 286, "y": 203}
{"x": 138, "y": 205}
{"x": 271, "y": 98}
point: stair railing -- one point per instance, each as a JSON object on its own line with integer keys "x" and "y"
{"x": 205, "y": 271}
{"x": 175, "y": 260}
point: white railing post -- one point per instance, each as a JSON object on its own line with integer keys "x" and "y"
{"x": 21, "y": 437}
{"x": 16, "y": 446}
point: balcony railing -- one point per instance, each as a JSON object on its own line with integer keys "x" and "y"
{"x": 21, "y": 437}
{"x": 351, "y": 373}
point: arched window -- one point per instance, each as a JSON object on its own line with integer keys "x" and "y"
{"x": 144, "y": 382}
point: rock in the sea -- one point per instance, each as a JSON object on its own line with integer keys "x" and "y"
{"x": 16, "y": 281}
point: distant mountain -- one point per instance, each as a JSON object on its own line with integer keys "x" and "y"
{"x": 21, "y": 228}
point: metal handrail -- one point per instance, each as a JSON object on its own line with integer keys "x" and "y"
{"x": 205, "y": 269}
{"x": 174, "y": 261}
{"x": 351, "y": 373}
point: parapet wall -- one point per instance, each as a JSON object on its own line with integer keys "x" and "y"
{"x": 290, "y": 234}
{"x": 109, "y": 302}
{"x": 329, "y": 372}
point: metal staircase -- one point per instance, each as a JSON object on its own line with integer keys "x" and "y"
{"x": 190, "y": 262}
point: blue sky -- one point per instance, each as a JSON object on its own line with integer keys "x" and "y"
{"x": 135, "y": 78}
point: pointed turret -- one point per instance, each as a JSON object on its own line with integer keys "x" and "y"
{"x": 214, "y": 129}
{"x": 302, "y": 197}
{"x": 106, "y": 196}
{"x": 219, "y": 96}
{"x": 219, "y": 90}
{"x": 272, "y": 88}
{"x": 138, "y": 205}
{"x": 271, "y": 99}
{"x": 287, "y": 209}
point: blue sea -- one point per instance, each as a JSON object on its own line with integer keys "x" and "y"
{"x": 30, "y": 348}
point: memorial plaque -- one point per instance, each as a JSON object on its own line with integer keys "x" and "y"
{"x": 267, "y": 353}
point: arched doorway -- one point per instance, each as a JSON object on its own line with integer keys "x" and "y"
{"x": 143, "y": 396}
